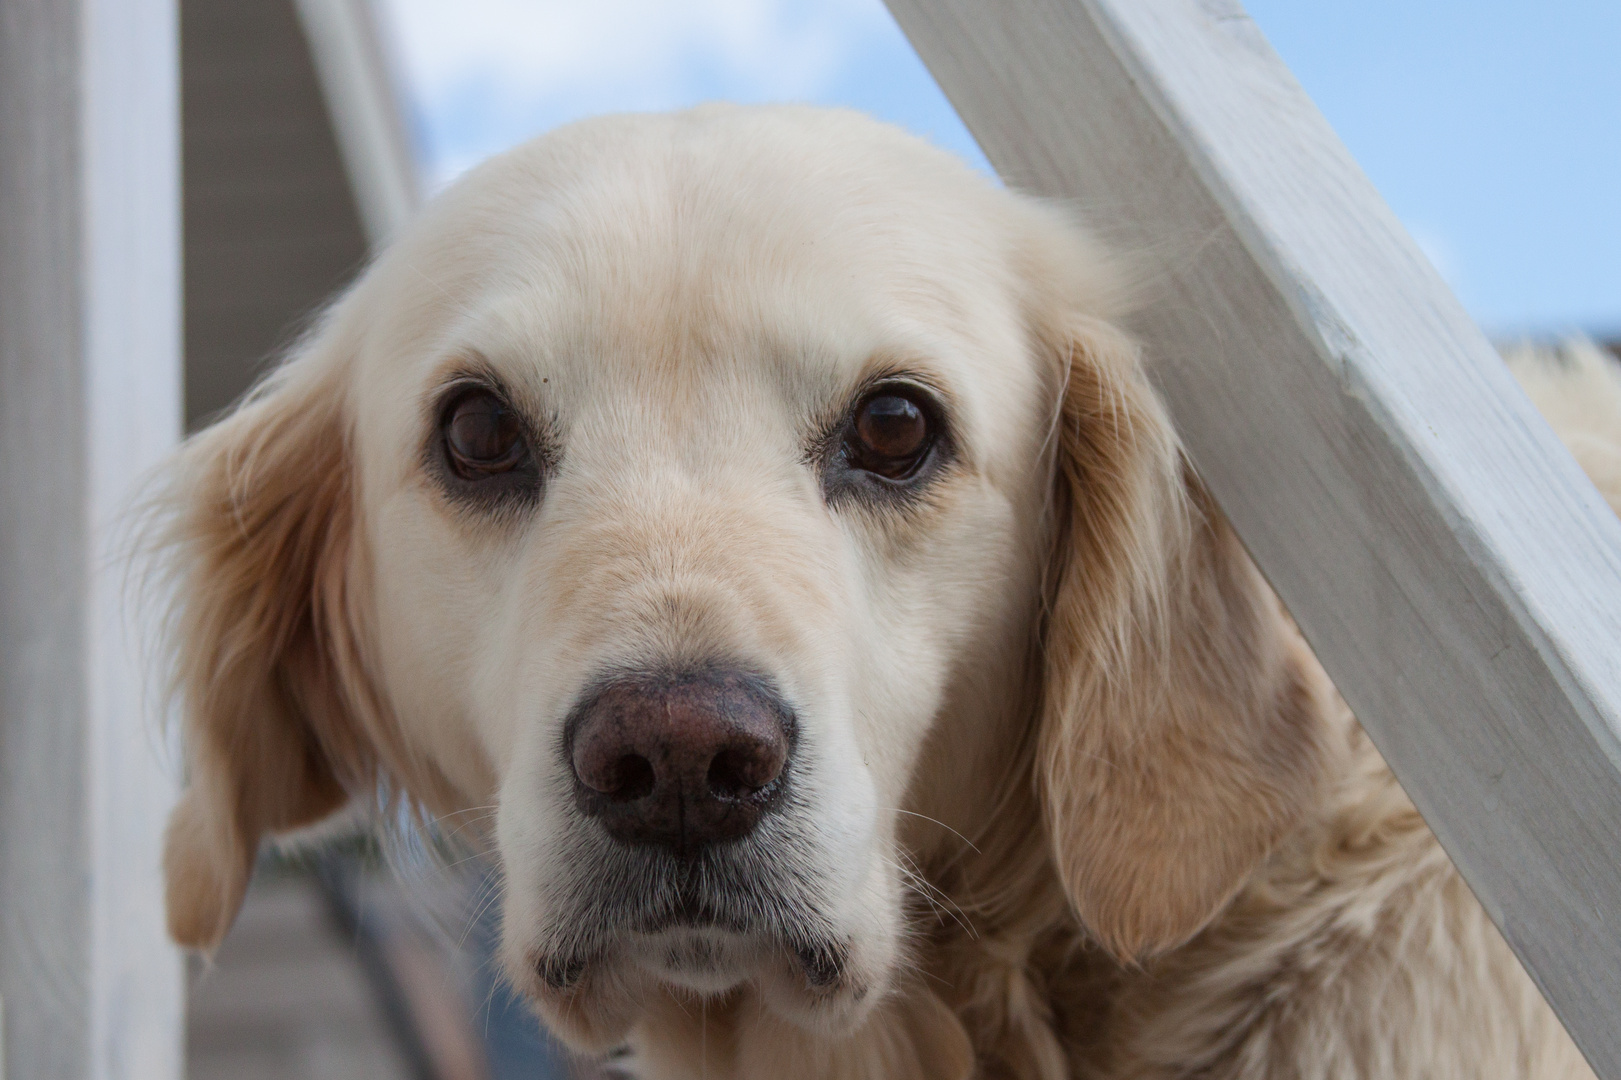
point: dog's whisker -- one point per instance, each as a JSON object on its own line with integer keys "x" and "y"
{"x": 497, "y": 893}
{"x": 938, "y": 901}
{"x": 937, "y": 897}
{"x": 936, "y": 821}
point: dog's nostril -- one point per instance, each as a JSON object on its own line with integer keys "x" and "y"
{"x": 633, "y": 778}
{"x": 739, "y": 772}
{"x": 623, "y": 777}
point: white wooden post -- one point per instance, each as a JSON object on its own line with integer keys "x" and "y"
{"x": 89, "y": 399}
{"x": 1457, "y": 575}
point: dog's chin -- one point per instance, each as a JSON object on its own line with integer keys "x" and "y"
{"x": 705, "y": 960}
{"x": 826, "y": 988}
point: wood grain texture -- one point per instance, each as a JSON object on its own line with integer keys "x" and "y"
{"x": 89, "y": 399}
{"x": 1458, "y": 576}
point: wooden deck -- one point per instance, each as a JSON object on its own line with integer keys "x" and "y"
{"x": 336, "y": 974}
{"x": 288, "y": 998}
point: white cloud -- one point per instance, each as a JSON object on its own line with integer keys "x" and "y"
{"x": 632, "y": 48}
{"x": 487, "y": 74}
{"x": 1438, "y": 250}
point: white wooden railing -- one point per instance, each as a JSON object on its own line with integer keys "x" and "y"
{"x": 1458, "y": 576}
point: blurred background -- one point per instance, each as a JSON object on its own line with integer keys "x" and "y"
{"x": 313, "y": 128}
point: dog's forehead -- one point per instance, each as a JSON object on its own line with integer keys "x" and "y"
{"x": 659, "y": 252}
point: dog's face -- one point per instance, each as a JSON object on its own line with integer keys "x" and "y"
{"x": 673, "y": 490}
{"x": 669, "y": 515}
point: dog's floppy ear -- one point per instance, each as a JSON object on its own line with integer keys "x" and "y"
{"x": 257, "y": 524}
{"x": 1180, "y": 730}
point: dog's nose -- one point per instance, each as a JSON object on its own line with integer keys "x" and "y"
{"x": 681, "y": 760}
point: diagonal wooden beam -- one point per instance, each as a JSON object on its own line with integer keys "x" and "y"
{"x": 1458, "y": 576}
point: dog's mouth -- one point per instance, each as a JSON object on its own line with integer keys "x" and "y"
{"x": 759, "y": 889}
{"x": 704, "y": 939}
{"x": 606, "y": 930}
{"x": 710, "y": 961}
{"x": 727, "y": 924}
{"x": 707, "y": 959}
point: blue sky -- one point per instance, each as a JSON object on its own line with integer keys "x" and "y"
{"x": 1492, "y": 128}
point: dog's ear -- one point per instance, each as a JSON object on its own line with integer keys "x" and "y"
{"x": 1181, "y": 729}
{"x": 258, "y": 523}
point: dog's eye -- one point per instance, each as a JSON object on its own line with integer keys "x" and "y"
{"x": 483, "y": 436}
{"x": 890, "y": 435}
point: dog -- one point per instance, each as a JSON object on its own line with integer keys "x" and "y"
{"x": 759, "y": 521}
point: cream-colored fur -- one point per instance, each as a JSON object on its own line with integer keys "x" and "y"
{"x": 1071, "y": 797}
{"x": 1577, "y": 386}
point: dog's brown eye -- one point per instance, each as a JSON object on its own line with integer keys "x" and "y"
{"x": 483, "y": 436}
{"x": 890, "y": 435}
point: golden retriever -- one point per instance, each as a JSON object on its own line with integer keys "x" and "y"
{"x": 758, "y": 513}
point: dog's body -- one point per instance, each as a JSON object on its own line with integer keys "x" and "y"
{"x": 756, "y": 513}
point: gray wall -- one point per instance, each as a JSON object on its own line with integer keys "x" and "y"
{"x": 271, "y": 225}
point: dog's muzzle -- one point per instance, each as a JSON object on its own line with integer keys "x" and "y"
{"x": 693, "y": 859}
